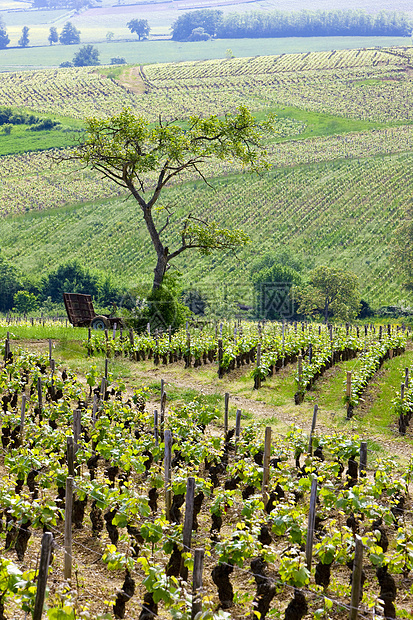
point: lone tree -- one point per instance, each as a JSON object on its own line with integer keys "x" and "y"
{"x": 139, "y": 27}
{"x": 330, "y": 291}
{"x": 53, "y": 36}
{"x": 86, "y": 56}
{"x": 144, "y": 158}
{"x": 4, "y": 37}
{"x": 24, "y": 39}
{"x": 70, "y": 35}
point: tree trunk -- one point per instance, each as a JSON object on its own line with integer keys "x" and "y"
{"x": 160, "y": 269}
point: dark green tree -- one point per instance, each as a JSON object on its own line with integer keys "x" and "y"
{"x": 208, "y": 19}
{"x": 273, "y": 277}
{"x": 87, "y": 56}
{"x": 70, "y": 35}
{"x": 9, "y": 285}
{"x": 4, "y": 38}
{"x": 24, "y": 39}
{"x": 139, "y": 27}
{"x": 53, "y": 36}
{"x": 127, "y": 148}
{"x": 329, "y": 292}
{"x": 25, "y": 302}
{"x": 70, "y": 277}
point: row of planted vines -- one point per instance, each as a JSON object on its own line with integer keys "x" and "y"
{"x": 267, "y": 348}
{"x": 131, "y": 551}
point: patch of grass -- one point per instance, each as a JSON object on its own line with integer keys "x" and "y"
{"x": 148, "y": 52}
{"x": 22, "y": 139}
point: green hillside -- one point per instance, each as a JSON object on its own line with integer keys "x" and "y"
{"x": 339, "y": 184}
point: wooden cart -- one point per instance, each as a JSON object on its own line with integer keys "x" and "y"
{"x": 81, "y": 313}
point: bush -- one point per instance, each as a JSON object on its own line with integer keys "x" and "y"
{"x": 117, "y": 61}
{"x": 66, "y": 63}
{"x": 25, "y": 302}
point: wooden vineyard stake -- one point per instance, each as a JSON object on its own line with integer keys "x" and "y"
{"x": 220, "y": 358}
{"x": 356, "y": 579}
{"x": 106, "y": 369}
{"x": 226, "y": 413}
{"x": 300, "y": 373}
{"x": 22, "y": 416}
{"x": 50, "y": 350}
{"x": 89, "y": 337}
{"x": 310, "y": 443}
{"x": 237, "y": 425}
{"x": 311, "y": 522}
{"x": 6, "y": 349}
{"x": 167, "y": 468}
{"x": 197, "y": 582}
{"x": 187, "y": 529}
{"x": 163, "y": 404}
{"x": 68, "y": 528}
{"x": 363, "y": 459}
{"x": 40, "y": 397}
{"x": 156, "y": 427}
{"x": 47, "y": 541}
{"x": 70, "y": 457}
{"x": 266, "y": 465}
{"x": 406, "y": 378}
{"x": 114, "y": 332}
{"x": 103, "y": 388}
{"x": 310, "y": 353}
{"x": 76, "y": 429}
{"x": 94, "y": 410}
{"x": 257, "y": 378}
{"x": 348, "y": 396}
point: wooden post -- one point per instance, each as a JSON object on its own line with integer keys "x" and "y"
{"x": 76, "y": 429}
{"x": 106, "y": 369}
{"x": 237, "y": 425}
{"x": 94, "y": 409}
{"x": 257, "y": 382}
{"x": 197, "y": 582}
{"x": 68, "y": 528}
{"x": 220, "y": 356}
{"x": 406, "y": 377}
{"x": 226, "y": 413}
{"x": 310, "y": 353}
{"x": 103, "y": 389}
{"x": 402, "y": 391}
{"x": 310, "y": 443}
{"x": 163, "y": 404}
{"x": 187, "y": 529}
{"x": 70, "y": 457}
{"x": 40, "y": 397}
{"x": 22, "y": 416}
{"x": 348, "y": 393}
{"x": 47, "y": 540}
{"x": 114, "y": 332}
{"x": 300, "y": 372}
{"x": 363, "y": 459}
{"x": 50, "y": 349}
{"x": 356, "y": 580}
{"x": 266, "y": 464}
{"x": 311, "y": 521}
{"x": 167, "y": 468}
{"x": 155, "y": 427}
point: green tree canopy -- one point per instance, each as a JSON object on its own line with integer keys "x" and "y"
{"x": 9, "y": 285}
{"x": 53, "y": 36}
{"x": 208, "y": 19}
{"x": 24, "y": 39}
{"x": 139, "y": 27}
{"x": 70, "y": 35}
{"x": 4, "y": 38}
{"x": 69, "y": 278}
{"x": 273, "y": 277}
{"x": 329, "y": 292}
{"x": 144, "y": 158}
{"x": 87, "y": 56}
{"x": 25, "y": 302}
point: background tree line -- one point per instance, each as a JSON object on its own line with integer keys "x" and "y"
{"x": 257, "y": 24}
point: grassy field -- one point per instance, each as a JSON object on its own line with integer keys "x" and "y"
{"x": 44, "y": 55}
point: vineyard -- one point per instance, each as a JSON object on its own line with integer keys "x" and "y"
{"x": 162, "y": 504}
